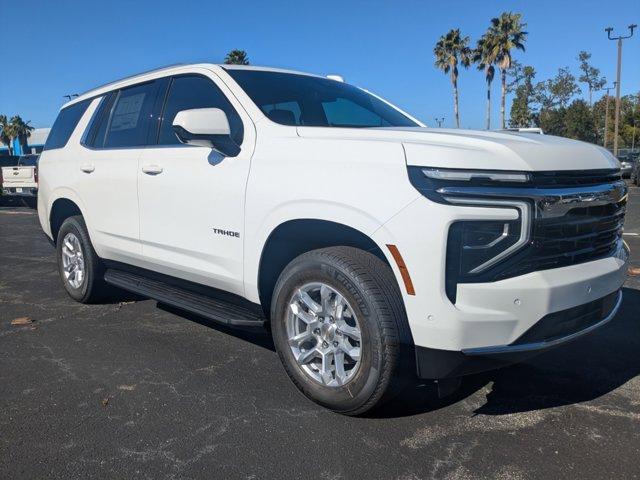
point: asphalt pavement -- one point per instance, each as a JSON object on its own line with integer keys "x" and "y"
{"x": 133, "y": 390}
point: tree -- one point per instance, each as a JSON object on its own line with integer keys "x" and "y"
{"x": 516, "y": 75}
{"x": 557, "y": 91}
{"x": 236, "y": 57}
{"x": 484, "y": 57}
{"x": 21, "y": 130}
{"x": 521, "y": 112}
{"x": 578, "y": 120}
{"x": 600, "y": 110}
{"x": 453, "y": 49}
{"x": 506, "y": 33}
{"x": 6, "y": 133}
{"x": 551, "y": 120}
{"x": 629, "y": 120}
{"x": 590, "y": 75}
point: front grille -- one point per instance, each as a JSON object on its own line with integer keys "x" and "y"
{"x": 570, "y": 178}
{"x": 569, "y": 321}
{"x": 582, "y": 235}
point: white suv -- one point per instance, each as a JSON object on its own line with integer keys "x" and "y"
{"x": 374, "y": 248}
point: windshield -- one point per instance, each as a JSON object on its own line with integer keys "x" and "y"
{"x": 303, "y": 100}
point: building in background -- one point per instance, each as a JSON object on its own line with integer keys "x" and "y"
{"x": 35, "y": 143}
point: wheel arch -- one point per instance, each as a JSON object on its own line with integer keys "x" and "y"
{"x": 61, "y": 209}
{"x": 295, "y": 237}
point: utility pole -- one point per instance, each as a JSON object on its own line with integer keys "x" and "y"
{"x": 606, "y": 113}
{"x": 439, "y": 121}
{"x": 633, "y": 138}
{"x": 617, "y": 117}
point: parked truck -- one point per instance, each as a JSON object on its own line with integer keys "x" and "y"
{"x": 21, "y": 180}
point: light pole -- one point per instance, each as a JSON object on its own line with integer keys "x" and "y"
{"x": 439, "y": 121}
{"x": 606, "y": 113}
{"x": 617, "y": 118}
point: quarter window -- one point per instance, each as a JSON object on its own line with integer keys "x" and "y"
{"x": 65, "y": 124}
{"x": 193, "y": 91}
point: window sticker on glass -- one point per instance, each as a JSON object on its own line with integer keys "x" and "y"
{"x": 127, "y": 112}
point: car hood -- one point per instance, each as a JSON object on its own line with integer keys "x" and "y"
{"x": 479, "y": 149}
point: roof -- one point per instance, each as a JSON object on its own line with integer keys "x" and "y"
{"x": 168, "y": 69}
{"x": 258, "y": 68}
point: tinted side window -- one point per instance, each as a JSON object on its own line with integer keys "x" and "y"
{"x": 131, "y": 116}
{"x": 65, "y": 124}
{"x": 192, "y": 91}
{"x": 98, "y": 128}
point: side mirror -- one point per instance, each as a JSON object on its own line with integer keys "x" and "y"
{"x": 206, "y": 127}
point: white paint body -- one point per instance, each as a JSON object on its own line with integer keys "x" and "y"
{"x": 356, "y": 177}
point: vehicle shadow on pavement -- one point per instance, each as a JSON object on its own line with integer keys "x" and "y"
{"x": 577, "y": 372}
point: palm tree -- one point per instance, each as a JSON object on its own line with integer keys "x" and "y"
{"x": 20, "y": 130}
{"x": 6, "y": 133}
{"x": 505, "y": 34}
{"x": 236, "y": 57}
{"x": 450, "y": 50}
{"x": 484, "y": 57}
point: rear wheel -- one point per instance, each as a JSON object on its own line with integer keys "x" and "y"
{"x": 339, "y": 325}
{"x": 80, "y": 268}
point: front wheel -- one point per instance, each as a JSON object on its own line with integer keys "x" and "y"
{"x": 340, "y": 328}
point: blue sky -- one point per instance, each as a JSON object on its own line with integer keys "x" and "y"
{"x": 385, "y": 46}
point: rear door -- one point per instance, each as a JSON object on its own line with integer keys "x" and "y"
{"x": 191, "y": 197}
{"x": 109, "y": 169}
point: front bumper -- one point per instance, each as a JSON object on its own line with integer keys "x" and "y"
{"x": 578, "y": 321}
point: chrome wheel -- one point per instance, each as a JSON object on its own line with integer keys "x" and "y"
{"x": 324, "y": 334}
{"x": 72, "y": 261}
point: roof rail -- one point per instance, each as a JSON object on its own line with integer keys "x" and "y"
{"x": 153, "y": 70}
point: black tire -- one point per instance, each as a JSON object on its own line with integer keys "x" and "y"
{"x": 93, "y": 288}
{"x": 369, "y": 286}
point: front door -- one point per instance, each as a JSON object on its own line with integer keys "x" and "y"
{"x": 191, "y": 197}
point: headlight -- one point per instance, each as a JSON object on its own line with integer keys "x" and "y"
{"x": 477, "y": 175}
{"x": 475, "y": 246}
{"x": 471, "y": 245}
{"x": 427, "y": 180}
{"x": 478, "y": 242}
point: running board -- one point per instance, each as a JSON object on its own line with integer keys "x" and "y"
{"x": 220, "y": 311}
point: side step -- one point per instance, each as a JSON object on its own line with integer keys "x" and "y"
{"x": 220, "y": 311}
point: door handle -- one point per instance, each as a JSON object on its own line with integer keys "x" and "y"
{"x": 87, "y": 168}
{"x": 152, "y": 169}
